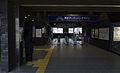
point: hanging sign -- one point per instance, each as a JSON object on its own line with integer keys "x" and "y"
{"x": 72, "y": 18}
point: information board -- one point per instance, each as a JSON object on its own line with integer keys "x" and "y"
{"x": 104, "y": 33}
{"x": 116, "y": 34}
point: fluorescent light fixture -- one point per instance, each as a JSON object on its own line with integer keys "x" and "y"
{"x": 72, "y": 15}
{"x": 46, "y": 5}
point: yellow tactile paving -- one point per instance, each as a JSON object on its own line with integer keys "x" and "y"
{"x": 42, "y": 63}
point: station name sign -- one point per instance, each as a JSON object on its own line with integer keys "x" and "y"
{"x": 72, "y": 18}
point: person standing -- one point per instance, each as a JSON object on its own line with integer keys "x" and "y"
{"x": 28, "y": 29}
{"x": 58, "y": 39}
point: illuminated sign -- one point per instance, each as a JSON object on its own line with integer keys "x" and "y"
{"x": 76, "y": 18}
{"x": 72, "y": 18}
{"x": 38, "y": 33}
{"x": 116, "y": 33}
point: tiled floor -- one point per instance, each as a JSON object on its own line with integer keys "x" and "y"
{"x": 25, "y": 69}
{"x": 82, "y": 59}
{"x": 41, "y": 57}
{"x": 78, "y": 59}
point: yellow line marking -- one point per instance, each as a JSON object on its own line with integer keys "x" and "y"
{"x": 42, "y": 63}
{"x": 40, "y": 49}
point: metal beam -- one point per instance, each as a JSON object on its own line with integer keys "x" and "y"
{"x": 45, "y": 5}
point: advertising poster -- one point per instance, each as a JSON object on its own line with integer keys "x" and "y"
{"x": 104, "y": 33}
{"x": 96, "y": 33}
{"x": 38, "y": 33}
{"x": 92, "y": 33}
{"x": 116, "y": 33}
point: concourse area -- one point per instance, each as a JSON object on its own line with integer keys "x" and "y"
{"x": 67, "y": 36}
{"x": 72, "y": 59}
{"x": 82, "y": 59}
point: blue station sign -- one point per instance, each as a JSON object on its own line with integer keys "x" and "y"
{"x": 72, "y": 18}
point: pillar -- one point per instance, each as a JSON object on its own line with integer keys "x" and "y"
{"x": 8, "y": 35}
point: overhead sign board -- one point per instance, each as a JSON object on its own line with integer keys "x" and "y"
{"x": 72, "y": 18}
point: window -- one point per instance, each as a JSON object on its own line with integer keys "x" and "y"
{"x": 70, "y": 30}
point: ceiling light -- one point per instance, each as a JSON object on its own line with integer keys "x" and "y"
{"x": 72, "y": 15}
{"x": 54, "y": 23}
{"x": 33, "y": 20}
{"x": 25, "y": 17}
{"x": 28, "y": 14}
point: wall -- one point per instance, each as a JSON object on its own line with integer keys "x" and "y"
{"x": 103, "y": 22}
{"x": 115, "y": 44}
{"x": 38, "y": 41}
{"x": 4, "y": 35}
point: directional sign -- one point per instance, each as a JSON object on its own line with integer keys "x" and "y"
{"x": 56, "y": 18}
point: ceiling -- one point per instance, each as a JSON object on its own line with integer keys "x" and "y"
{"x": 71, "y": 2}
{"x": 71, "y": 6}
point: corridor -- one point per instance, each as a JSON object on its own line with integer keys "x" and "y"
{"x": 82, "y": 59}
